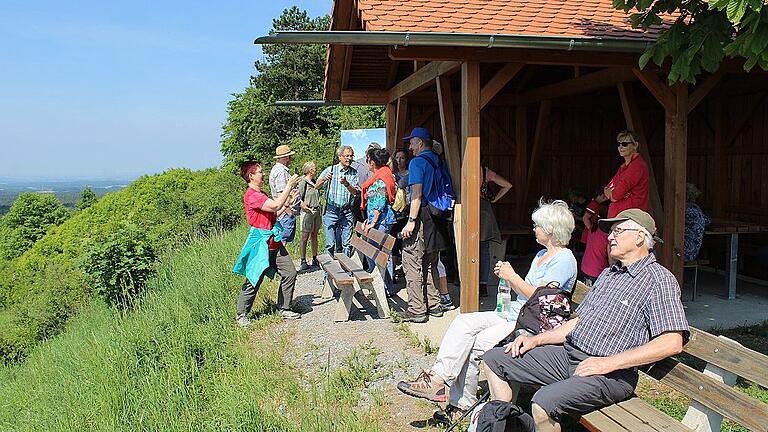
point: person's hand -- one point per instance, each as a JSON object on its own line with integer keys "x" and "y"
{"x": 344, "y": 181}
{"x": 366, "y": 227}
{"x": 408, "y": 229}
{"x": 329, "y": 175}
{"x": 520, "y": 345}
{"x": 595, "y": 366}
{"x": 504, "y": 270}
{"x": 293, "y": 181}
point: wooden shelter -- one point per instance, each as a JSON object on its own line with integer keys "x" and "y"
{"x": 540, "y": 89}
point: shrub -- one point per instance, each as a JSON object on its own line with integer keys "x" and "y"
{"x": 29, "y": 219}
{"x": 119, "y": 265}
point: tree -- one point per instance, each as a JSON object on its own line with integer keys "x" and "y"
{"x": 704, "y": 32}
{"x": 29, "y": 218}
{"x": 87, "y": 199}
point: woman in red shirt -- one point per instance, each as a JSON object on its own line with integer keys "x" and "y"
{"x": 629, "y": 187}
{"x": 261, "y": 213}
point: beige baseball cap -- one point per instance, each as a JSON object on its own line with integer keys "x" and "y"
{"x": 640, "y": 217}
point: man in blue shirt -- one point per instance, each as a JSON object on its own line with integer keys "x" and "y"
{"x": 421, "y": 241}
{"x": 342, "y": 187}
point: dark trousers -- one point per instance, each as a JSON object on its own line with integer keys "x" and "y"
{"x": 280, "y": 260}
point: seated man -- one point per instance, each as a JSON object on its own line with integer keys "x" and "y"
{"x": 632, "y": 317}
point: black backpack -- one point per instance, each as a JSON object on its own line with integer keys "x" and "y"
{"x": 548, "y": 308}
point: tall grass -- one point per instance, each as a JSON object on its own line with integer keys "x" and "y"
{"x": 178, "y": 362}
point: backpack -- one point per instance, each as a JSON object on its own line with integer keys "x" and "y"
{"x": 548, "y": 308}
{"x": 441, "y": 197}
{"x": 400, "y": 200}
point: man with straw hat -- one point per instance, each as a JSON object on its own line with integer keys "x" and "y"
{"x": 278, "y": 180}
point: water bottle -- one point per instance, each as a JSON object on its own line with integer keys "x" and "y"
{"x": 503, "y": 299}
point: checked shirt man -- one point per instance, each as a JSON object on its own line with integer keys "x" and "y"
{"x": 343, "y": 185}
{"x": 632, "y": 317}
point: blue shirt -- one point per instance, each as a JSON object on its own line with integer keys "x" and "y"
{"x": 421, "y": 172}
{"x": 338, "y": 194}
{"x": 561, "y": 268}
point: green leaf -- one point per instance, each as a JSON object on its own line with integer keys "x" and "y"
{"x": 735, "y": 10}
{"x": 647, "y": 55}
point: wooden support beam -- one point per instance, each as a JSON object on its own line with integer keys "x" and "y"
{"x": 521, "y": 159}
{"x": 516, "y": 55}
{"x": 703, "y": 89}
{"x": 658, "y": 89}
{"x": 675, "y": 154}
{"x": 402, "y": 118}
{"x": 418, "y": 64}
{"x": 488, "y": 118}
{"x": 426, "y": 115}
{"x": 538, "y": 143}
{"x": 494, "y": 86}
{"x": 583, "y": 84}
{"x": 364, "y": 97}
{"x": 451, "y": 144}
{"x": 744, "y": 119}
{"x": 391, "y": 115}
{"x": 347, "y": 67}
{"x": 394, "y": 66}
{"x": 470, "y": 187}
{"x": 634, "y": 122}
{"x": 721, "y": 164}
{"x": 422, "y": 78}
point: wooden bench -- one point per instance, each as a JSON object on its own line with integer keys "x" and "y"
{"x": 710, "y": 391}
{"x": 346, "y": 274}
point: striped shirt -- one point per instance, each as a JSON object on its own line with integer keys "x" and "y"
{"x": 338, "y": 194}
{"x": 627, "y": 307}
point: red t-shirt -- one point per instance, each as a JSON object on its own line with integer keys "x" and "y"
{"x": 593, "y": 210}
{"x": 595, "y": 257}
{"x": 630, "y": 187}
{"x": 254, "y": 200}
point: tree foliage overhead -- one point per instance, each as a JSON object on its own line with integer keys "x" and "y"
{"x": 254, "y": 128}
{"x": 703, "y": 34}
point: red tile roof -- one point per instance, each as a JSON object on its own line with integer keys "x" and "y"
{"x": 566, "y": 18}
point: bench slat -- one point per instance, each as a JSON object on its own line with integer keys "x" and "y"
{"x": 352, "y": 267}
{"x": 728, "y": 355}
{"x": 382, "y": 239}
{"x": 579, "y": 292}
{"x": 715, "y": 395}
{"x": 334, "y": 270}
{"x": 626, "y": 419}
{"x": 367, "y": 249}
{"x": 655, "y": 418}
{"x": 596, "y": 421}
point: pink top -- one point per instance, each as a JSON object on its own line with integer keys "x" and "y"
{"x": 489, "y": 174}
{"x": 595, "y": 257}
{"x": 254, "y": 200}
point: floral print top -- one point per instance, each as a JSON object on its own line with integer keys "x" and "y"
{"x": 378, "y": 200}
{"x": 695, "y": 223}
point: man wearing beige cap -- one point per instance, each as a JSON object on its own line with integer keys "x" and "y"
{"x": 632, "y": 317}
{"x": 278, "y": 179}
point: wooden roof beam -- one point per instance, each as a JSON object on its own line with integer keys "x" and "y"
{"x": 422, "y": 78}
{"x": 703, "y": 89}
{"x": 583, "y": 84}
{"x": 658, "y": 89}
{"x": 494, "y": 86}
{"x": 364, "y": 97}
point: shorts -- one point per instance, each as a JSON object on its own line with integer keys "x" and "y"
{"x": 311, "y": 222}
{"x": 553, "y": 366}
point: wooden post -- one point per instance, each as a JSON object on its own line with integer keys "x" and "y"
{"x": 675, "y": 156}
{"x": 469, "y": 260}
{"x": 391, "y": 127}
{"x": 402, "y": 116}
{"x": 721, "y": 163}
{"x": 521, "y": 160}
{"x": 635, "y": 123}
{"x": 538, "y": 143}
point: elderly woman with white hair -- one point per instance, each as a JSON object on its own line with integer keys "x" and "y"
{"x": 471, "y": 335}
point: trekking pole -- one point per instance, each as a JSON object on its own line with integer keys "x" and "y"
{"x": 482, "y": 399}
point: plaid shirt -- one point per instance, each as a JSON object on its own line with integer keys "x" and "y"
{"x": 338, "y": 194}
{"x": 627, "y": 307}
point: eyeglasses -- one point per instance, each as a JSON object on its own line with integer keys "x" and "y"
{"x": 535, "y": 225}
{"x": 348, "y": 156}
{"x": 625, "y": 143}
{"x": 618, "y": 230}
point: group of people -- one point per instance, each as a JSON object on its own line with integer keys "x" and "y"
{"x": 633, "y": 315}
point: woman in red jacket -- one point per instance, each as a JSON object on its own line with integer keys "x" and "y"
{"x": 629, "y": 187}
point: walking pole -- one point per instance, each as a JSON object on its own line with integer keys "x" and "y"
{"x": 482, "y": 399}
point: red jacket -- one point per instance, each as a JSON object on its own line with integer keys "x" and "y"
{"x": 630, "y": 187}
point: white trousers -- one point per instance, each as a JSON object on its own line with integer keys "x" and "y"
{"x": 468, "y": 337}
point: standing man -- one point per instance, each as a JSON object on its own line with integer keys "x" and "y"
{"x": 421, "y": 239}
{"x": 278, "y": 180}
{"x": 343, "y": 186}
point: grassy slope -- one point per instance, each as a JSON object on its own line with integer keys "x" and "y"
{"x": 178, "y": 362}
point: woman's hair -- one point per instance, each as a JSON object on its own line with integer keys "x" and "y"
{"x": 692, "y": 193}
{"x": 378, "y": 156}
{"x": 555, "y": 219}
{"x": 626, "y": 135}
{"x": 248, "y": 168}
{"x": 308, "y": 166}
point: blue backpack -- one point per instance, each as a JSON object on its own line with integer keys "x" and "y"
{"x": 441, "y": 197}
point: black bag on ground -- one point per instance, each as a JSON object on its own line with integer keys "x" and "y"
{"x": 500, "y": 416}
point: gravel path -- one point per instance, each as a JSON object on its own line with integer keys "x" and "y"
{"x": 316, "y": 333}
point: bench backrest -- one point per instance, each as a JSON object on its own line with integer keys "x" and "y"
{"x": 375, "y": 245}
{"x": 723, "y": 353}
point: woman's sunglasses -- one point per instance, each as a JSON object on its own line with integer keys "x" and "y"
{"x": 625, "y": 143}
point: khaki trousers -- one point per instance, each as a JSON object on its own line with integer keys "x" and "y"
{"x": 420, "y": 267}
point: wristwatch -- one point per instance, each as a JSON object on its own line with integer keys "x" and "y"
{"x": 411, "y": 219}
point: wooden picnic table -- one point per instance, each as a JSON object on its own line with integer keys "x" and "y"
{"x": 732, "y": 229}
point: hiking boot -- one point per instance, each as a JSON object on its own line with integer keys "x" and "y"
{"x": 289, "y": 314}
{"x": 423, "y": 387}
{"x": 446, "y": 303}
{"x": 315, "y": 263}
{"x": 304, "y": 266}
{"x": 243, "y": 320}
{"x": 449, "y": 416}
{"x": 436, "y": 312}
{"x": 414, "y": 318}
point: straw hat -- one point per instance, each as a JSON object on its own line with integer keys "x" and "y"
{"x": 283, "y": 151}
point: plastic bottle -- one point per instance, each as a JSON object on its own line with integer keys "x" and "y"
{"x": 503, "y": 299}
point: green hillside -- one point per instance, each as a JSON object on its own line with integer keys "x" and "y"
{"x": 178, "y": 362}
{"x": 125, "y": 230}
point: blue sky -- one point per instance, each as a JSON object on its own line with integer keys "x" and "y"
{"x": 118, "y": 89}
